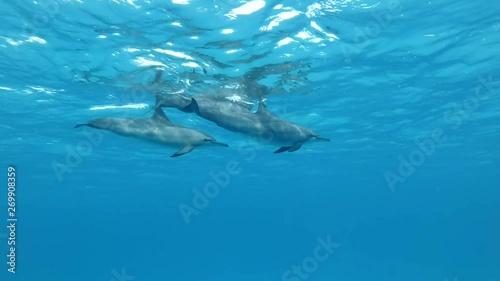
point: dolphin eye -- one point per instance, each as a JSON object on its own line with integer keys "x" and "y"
{"x": 209, "y": 140}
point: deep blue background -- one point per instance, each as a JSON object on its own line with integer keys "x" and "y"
{"x": 374, "y": 95}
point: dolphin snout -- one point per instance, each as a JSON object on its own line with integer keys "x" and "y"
{"x": 322, "y": 139}
{"x": 216, "y": 143}
{"x": 220, "y": 144}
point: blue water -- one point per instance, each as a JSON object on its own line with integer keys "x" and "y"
{"x": 408, "y": 189}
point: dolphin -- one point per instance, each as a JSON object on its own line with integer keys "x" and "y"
{"x": 157, "y": 129}
{"x": 288, "y": 135}
{"x": 261, "y": 125}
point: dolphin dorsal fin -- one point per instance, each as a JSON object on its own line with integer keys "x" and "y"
{"x": 160, "y": 115}
{"x": 192, "y": 107}
{"x": 262, "y": 109}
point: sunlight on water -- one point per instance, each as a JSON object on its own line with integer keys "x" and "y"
{"x": 174, "y": 53}
{"x": 247, "y": 8}
{"x": 275, "y": 20}
{"x": 133, "y": 106}
{"x": 147, "y": 62}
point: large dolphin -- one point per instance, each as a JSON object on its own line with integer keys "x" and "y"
{"x": 157, "y": 129}
{"x": 235, "y": 117}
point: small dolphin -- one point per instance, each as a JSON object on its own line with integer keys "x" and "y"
{"x": 157, "y": 129}
{"x": 261, "y": 125}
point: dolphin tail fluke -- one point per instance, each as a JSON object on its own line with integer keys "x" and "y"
{"x": 192, "y": 107}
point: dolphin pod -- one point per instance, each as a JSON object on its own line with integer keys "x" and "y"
{"x": 157, "y": 129}
{"x": 238, "y": 117}
{"x": 232, "y": 115}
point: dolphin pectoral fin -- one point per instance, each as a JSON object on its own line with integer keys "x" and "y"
{"x": 296, "y": 146}
{"x": 283, "y": 149}
{"x": 183, "y": 151}
{"x": 80, "y": 125}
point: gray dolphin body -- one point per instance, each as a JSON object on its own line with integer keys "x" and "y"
{"x": 288, "y": 135}
{"x": 235, "y": 117}
{"x": 157, "y": 129}
{"x": 179, "y": 101}
{"x": 183, "y": 102}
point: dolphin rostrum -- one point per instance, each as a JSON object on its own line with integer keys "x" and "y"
{"x": 157, "y": 129}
